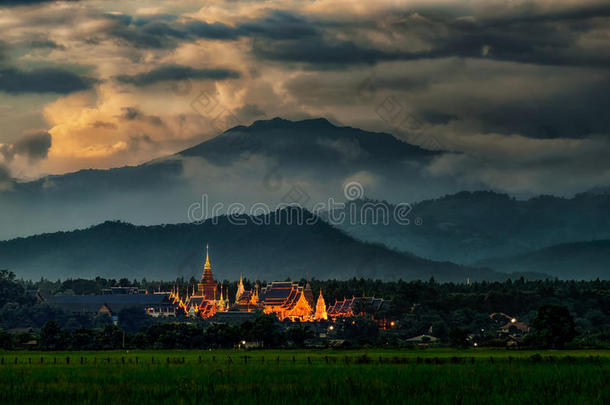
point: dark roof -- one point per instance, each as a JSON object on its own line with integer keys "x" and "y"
{"x": 116, "y": 302}
{"x": 347, "y": 305}
{"x": 233, "y": 317}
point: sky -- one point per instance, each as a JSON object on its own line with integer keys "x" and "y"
{"x": 519, "y": 90}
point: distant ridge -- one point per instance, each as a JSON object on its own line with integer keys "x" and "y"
{"x": 580, "y": 260}
{"x": 273, "y": 252}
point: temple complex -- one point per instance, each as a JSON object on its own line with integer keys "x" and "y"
{"x": 286, "y": 299}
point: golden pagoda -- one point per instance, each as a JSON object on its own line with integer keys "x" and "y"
{"x": 320, "y": 309}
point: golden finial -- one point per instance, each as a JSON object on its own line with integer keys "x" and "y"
{"x": 207, "y": 258}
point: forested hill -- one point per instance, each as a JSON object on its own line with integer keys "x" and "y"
{"x": 276, "y": 251}
{"x": 581, "y": 260}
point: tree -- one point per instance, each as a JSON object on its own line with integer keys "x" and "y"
{"x": 6, "y": 340}
{"x": 52, "y": 337}
{"x": 131, "y": 319}
{"x": 440, "y": 330}
{"x": 554, "y": 326}
{"x": 458, "y": 337}
{"x": 263, "y": 329}
{"x": 298, "y": 334}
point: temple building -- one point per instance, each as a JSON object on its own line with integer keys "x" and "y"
{"x": 356, "y": 306}
{"x": 321, "y": 314}
{"x": 287, "y": 300}
{"x": 245, "y": 301}
{"x": 208, "y": 299}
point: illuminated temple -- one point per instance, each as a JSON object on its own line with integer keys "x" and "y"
{"x": 286, "y": 299}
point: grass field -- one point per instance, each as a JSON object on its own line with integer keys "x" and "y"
{"x": 293, "y": 377}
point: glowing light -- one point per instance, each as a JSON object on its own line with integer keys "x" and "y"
{"x": 392, "y": 323}
{"x": 475, "y": 344}
{"x": 514, "y": 320}
{"x": 243, "y": 342}
{"x": 331, "y": 327}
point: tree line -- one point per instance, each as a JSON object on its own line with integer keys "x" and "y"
{"x": 456, "y": 314}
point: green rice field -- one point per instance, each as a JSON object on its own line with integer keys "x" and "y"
{"x": 428, "y": 376}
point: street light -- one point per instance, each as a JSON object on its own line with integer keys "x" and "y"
{"x": 331, "y": 327}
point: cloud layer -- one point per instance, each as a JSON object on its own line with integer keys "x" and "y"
{"x": 519, "y": 89}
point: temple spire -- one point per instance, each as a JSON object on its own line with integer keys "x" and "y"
{"x": 207, "y": 258}
{"x": 240, "y": 288}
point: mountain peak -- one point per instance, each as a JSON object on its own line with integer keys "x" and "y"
{"x": 282, "y": 123}
{"x": 315, "y": 139}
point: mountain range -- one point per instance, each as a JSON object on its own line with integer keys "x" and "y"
{"x": 287, "y": 243}
{"x": 281, "y": 161}
{"x": 469, "y": 227}
{"x": 260, "y": 163}
{"x": 580, "y": 260}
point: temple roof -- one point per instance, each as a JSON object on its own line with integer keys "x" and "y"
{"x": 92, "y": 303}
{"x": 347, "y": 305}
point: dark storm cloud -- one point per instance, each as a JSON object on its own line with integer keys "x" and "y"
{"x": 133, "y": 114}
{"x": 280, "y": 25}
{"x": 177, "y": 72}
{"x": 5, "y": 174}
{"x": 543, "y": 39}
{"x": 576, "y": 113}
{"x": 34, "y": 146}
{"x": 5, "y": 178}
{"x": 322, "y": 53}
{"x": 45, "y": 43}
{"x": 4, "y": 3}
{"x": 553, "y": 43}
{"x": 46, "y": 80}
{"x": 161, "y": 31}
{"x": 103, "y": 124}
{"x": 202, "y": 29}
{"x": 164, "y": 32}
